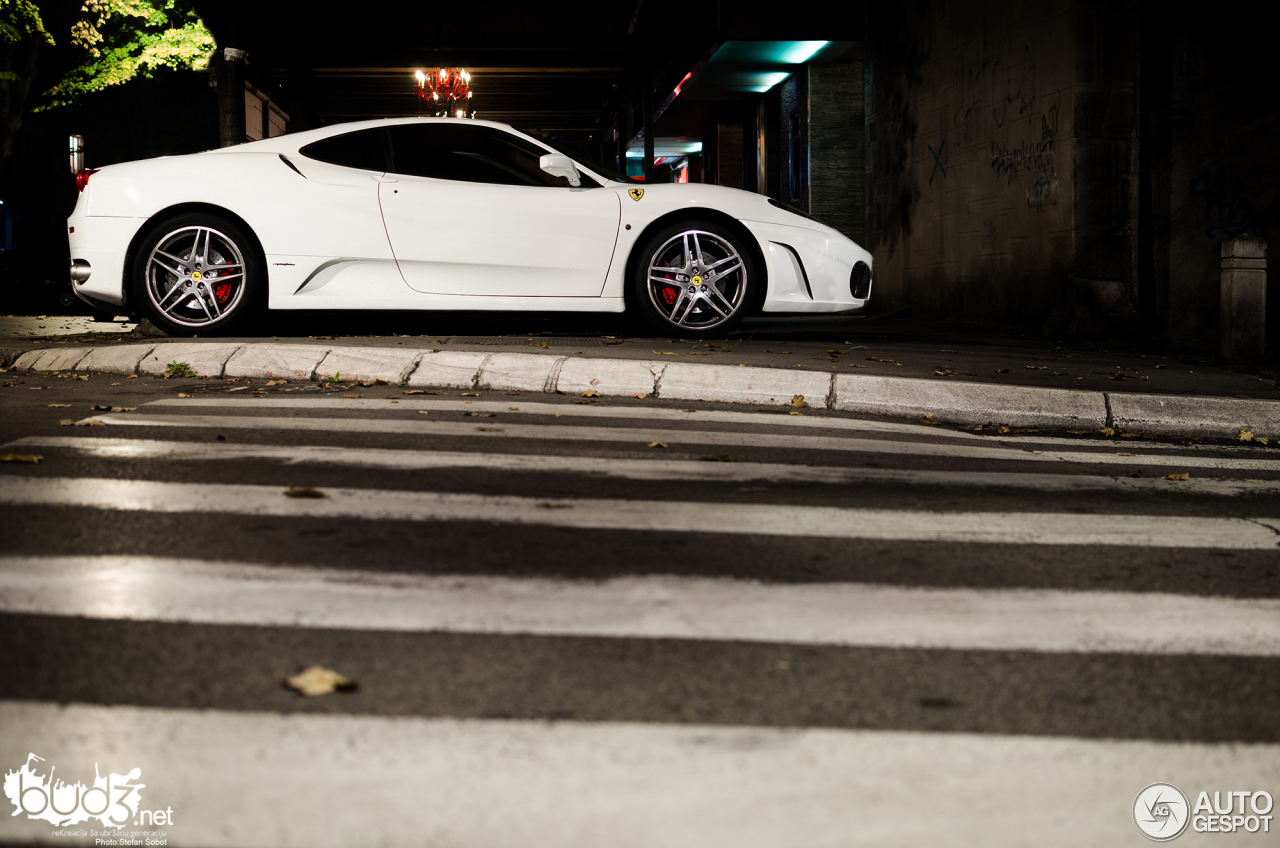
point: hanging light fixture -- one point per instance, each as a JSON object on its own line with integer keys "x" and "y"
{"x": 445, "y": 91}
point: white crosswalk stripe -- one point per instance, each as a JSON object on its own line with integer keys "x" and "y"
{"x": 497, "y": 766}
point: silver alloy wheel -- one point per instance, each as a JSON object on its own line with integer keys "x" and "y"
{"x": 195, "y": 276}
{"x": 697, "y": 280}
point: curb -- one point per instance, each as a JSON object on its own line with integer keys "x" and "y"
{"x": 954, "y": 402}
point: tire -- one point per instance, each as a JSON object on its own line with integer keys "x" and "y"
{"x": 696, "y": 280}
{"x": 199, "y": 274}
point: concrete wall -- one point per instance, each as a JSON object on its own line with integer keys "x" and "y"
{"x": 1000, "y": 160}
{"x": 837, "y": 139}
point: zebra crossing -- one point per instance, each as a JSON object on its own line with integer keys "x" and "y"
{"x": 596, "y": 622}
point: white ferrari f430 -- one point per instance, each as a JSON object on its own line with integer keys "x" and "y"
{"x": 446, "y": 214}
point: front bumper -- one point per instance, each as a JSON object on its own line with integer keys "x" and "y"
{"x": 809, "y": 270}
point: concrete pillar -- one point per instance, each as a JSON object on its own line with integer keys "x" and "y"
{"x": 230, "y": 73}
{"x": 1244, "y": 297}
{"x": 837, "y": 145}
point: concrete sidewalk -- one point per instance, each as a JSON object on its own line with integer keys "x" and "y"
{"x": 948, "y": 400}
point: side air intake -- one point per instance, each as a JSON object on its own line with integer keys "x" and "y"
{"x": 860, "y": 281}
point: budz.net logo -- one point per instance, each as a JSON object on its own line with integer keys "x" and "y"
{"x": 112, "y": 800}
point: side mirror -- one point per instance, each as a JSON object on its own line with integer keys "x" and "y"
{"x": 558, "y": 165}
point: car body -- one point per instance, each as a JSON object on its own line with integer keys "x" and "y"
{"x": 353, "y": 234}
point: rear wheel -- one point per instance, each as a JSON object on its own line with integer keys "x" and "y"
{"x": 199, "y": 273}
{"x": 696, "y": 279}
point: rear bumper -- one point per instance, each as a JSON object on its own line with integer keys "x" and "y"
{"x": 103, "y": 243}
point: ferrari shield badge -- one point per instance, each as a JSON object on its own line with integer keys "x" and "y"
{"x": 636, "y": 193}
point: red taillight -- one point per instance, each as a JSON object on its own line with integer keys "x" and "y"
{"x": 82, "y": 177}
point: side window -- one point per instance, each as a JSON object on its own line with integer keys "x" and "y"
{"x": 364, "y": 149}
{"x": 473, "y": 154}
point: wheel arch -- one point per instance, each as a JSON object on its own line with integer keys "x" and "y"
{"x": 700, "y": 214}
{"x": 172, "y": 212}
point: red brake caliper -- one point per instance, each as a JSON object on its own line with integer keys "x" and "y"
{"x": 222, "y": 291}
{"x": 669, "y": 295}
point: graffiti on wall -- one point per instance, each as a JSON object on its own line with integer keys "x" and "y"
{"x": 1031, "y": 157}
{"x": 937, "y": 160}
{"x": 1229, "y": 212}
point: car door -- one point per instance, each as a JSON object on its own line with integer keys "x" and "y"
{"x": 469, "y": 212}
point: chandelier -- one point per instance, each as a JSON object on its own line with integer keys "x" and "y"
{"x": 444, "y": 93}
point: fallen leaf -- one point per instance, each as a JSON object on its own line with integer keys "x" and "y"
{"x": 1144, "y": 377}
{"x": 423, "y": 412}
{"x": 1076, "y": 432}
{"x": 183, "y": 394}
{"x": 1002, "y": 370}
{"x": 1262, "y": 441}
{"x": 796, "y": 412}
{"x": 67, "y": 422}
{"x": 550, "y": 505}
{"x": 59, "y": 405}
{"x": 928, "y": 419}
{"x": 1107, "y": 431}
{"x": 303, "y": 492}
{"x": 1246, "y": 435}
{"x": 367, "y": 383}
{"x": 468, "y": 394}
{"x": 1184, "y": 475}
{"x": 1035, "y": 367}
{"x": 1162, "y": 366}
{"x": 318, "y": 680}
{"x": 590, "y": 393}
{"x": 801, "y": 365}
{"x": 858, "y": 365}
{"x": 480, "y": 414}
{"x": 115, "y": 384}
{"x": 723, "y": 458}
{"x": 513, "y": 409}
{"x": 1003, "y": 428}
{"x": 353, "y": 397}
{"x": 489, "y": 429}
{"x": 276, "y": 382}
{"x": 90, "y": 422}
{"x": 798, "y": 402}
{"x": 1122, "y": 453}
{"x": 666, "y": 353}
{"x": 32, "y": 458}
{"x": 639, "y": 395}
{"x": 657, "y": 444}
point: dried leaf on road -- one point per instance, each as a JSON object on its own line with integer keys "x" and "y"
{"x": 1003, "y": 428}
{"x": 468, "y": 394}
{"x": 666, "y": 353}
{"x": 1107, "y": 431}
{"x": 550, "y": 505}
{"x": 183, "y": 394}
{"x": 639, "y": 395}
{"x": 1002, "y": 370}
{"x": 59, "y": 405}
{"x": 423, "y": 412}
{"x": 928, "y": 419}
{"x": 590, "y": 393}
{"x": 796, "y": 412}
{"x": 1246, "y": 435}
{"x": 1122, "y": 453}
{"x": 276, "y": 382}
{"x": 318, "y": 680}
{"x": 303, "y": 492}
{"x": 798, "y": 402}
{"x": 32, "y": 458}
{"x": 1184, "y": 475}
{"x": 657, "y": 444}
{"x": 480, "y": 414}
{"x": 66, "y": 422}
{"x": 368, "y": 383}
{"x": 109, "y": 408}
{"x": 352, "y": 397}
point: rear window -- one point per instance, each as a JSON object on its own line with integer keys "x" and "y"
{"x": 363, "y": 149}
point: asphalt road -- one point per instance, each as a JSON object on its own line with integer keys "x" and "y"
{"x": 586, "y": 621}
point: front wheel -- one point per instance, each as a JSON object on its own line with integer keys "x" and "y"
{"x": 696, "y": 279}
{"x": 198, "y": 274}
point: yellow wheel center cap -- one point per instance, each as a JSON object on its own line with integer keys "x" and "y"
{"x": 697, "y": 281}
{"x": 195, "y": 275}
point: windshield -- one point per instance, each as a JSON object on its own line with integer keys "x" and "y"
{"x": 603, "y": 170}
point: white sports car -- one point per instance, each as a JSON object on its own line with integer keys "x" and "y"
{"x": 441, "y": 213}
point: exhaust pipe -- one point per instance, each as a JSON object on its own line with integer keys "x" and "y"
{"x": 80, "y": 270}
